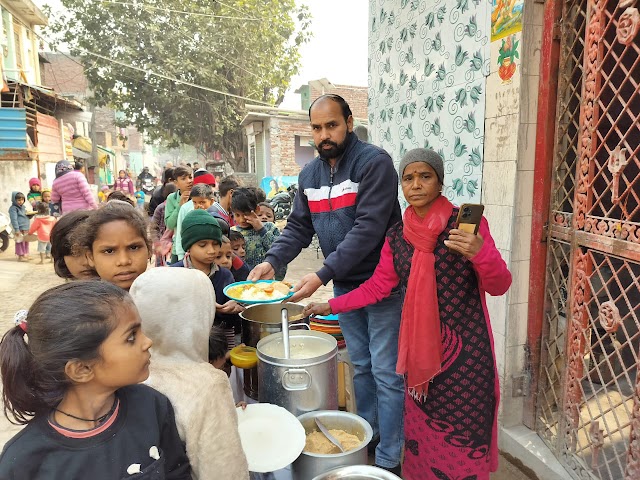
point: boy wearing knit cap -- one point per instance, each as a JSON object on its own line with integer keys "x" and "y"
{"x": 201, "y": 240}
{"x": 35, "y": 195}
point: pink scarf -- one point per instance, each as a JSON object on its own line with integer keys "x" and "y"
{"x": 419, "y": 344}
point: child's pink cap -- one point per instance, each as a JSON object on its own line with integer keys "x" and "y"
{"x": 34, "y": 181}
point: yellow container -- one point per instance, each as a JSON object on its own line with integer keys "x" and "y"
{"x": 244, "y": 357}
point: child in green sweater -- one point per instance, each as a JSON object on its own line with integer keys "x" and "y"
{"x": 258, "y": 235}
{"x": 184, "y": 182}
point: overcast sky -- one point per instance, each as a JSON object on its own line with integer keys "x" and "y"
{"x": 337, "y": 50}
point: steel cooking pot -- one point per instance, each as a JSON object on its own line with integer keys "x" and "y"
{"x": 261, "y": 320}
{"x": 358, "y": 472}
{"x": 310, "y": 465}
{"x": 306, "y": 381}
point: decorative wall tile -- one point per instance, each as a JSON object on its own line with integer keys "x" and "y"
{"x": 428, "y": 61}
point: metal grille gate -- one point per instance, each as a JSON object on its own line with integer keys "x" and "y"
{"x": 588, "y": 408}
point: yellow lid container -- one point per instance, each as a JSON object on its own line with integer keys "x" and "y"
{"x": 244, "y": 357}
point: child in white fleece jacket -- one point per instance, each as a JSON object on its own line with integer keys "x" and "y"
{"x": 177, "y": 307}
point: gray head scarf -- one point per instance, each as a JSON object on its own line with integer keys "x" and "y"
{"x": 424, "y": 155}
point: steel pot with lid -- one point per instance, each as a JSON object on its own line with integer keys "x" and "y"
{"x": 304, "y": 382}
{"x": 261, "y": 320}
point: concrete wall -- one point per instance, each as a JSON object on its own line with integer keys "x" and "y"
{"x": 14, "y": 176}
{"x": 508, "y": 195}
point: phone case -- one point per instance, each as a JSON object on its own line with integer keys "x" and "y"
{"x": 469, "y": 217}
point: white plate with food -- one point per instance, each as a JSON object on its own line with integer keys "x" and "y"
{"x": 262, "y": 291}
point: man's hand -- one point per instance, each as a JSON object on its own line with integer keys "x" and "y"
{"x": 184, "y": 197}
{"x": 262, "y": 271}
{"x": 254, "y": 221}
{"x": 465, "y": 243}
{"x": 316, "y": 309}
{"x": 230, "y": 307}
{"x": 306, "y": 287}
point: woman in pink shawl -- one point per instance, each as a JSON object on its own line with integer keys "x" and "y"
{"x": 445, "y": 348}
{"x": 71, "y": 189}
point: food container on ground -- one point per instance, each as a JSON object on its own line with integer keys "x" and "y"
{"x": 358, "y": 472}
{"x": 258, "y": 321}
{"x": 310, "y": 465}
{"x": 306, "y": 381}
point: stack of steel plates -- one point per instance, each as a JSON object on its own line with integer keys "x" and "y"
{"x": 328, "y": 324}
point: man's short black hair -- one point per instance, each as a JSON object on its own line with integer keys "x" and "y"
{"x": 346, "y": 110}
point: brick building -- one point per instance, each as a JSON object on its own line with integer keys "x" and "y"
{"x": 65, "y": 75}
{"x": 356, "y": 97}
{"x": 279, "y": 142}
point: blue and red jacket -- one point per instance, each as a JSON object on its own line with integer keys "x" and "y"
{"x": 350, "y": 207}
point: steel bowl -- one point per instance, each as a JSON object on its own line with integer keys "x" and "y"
{"x": 357, "y": 472}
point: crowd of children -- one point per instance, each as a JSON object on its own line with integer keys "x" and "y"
{"x": 72, "y": 366}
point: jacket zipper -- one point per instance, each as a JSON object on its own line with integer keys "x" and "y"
{"x": 330, "y": 187}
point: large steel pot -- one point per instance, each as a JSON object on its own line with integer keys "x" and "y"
{"x": 310, "y": 465}
{"x": 261, "y": 320}
{"x": 358, "y": 472}
{"x": 306, "y": 381}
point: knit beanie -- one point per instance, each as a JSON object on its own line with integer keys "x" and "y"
{"x": 199, "y": 225}
{"x": 424, "y": 155}
{"x": 34, "y": 181}
{"x": 62, "y": 167}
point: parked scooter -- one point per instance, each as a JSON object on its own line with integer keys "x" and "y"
{"x": 148, "y": 185}
{"x": 282, "y": 203}
{"x": 5, "y": 231}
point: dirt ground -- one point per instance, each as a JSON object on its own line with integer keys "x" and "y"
{"x": 21, "y": 283}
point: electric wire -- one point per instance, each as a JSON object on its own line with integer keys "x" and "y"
{"x": 173, "y": 79}
{"x": 182, "y": 12}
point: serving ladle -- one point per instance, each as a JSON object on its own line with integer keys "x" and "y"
{"x": 326, "y": 433}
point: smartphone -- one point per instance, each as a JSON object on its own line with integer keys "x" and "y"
{"x": 469, "y": 217}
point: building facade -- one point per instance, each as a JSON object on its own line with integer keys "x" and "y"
{"x": 34, "y": 132}
{"x": 534, "y": 107}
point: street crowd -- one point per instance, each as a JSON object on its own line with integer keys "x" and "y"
{"x": 128, "y": 375}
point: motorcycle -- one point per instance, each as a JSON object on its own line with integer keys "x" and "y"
{"x": 282, "y": 203}
{"x": 5, "y": 231}
{"x": 148, "y": 185}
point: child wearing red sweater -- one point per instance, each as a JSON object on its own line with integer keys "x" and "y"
{"x": 41, "y": 226}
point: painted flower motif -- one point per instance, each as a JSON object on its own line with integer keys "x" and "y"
{"x": 628, "y": 26}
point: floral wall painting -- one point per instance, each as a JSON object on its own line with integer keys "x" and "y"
{"x": 428, "y": 64}
{"x": 507, "y": 56}
{"x": 506, "y": 18}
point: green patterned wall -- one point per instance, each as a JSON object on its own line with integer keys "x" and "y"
{"x": 428, "y": 61}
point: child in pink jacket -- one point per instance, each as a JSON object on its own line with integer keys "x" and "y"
{"x": 41, "y": 226}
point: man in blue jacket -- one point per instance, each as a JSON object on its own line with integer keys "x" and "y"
{"x": 348, "y": 195}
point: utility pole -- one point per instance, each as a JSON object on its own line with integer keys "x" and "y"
{"x": 94, "y": 146}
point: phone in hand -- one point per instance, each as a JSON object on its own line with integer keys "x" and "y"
{"x": 469, "y": 217}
